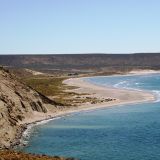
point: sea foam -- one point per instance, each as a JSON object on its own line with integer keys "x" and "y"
{"x": 157, "y": 95}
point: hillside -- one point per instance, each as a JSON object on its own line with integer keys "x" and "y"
{"x": 83, "y": 62}
{"x": 17, "y": 103}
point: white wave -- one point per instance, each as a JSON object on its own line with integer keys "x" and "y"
{"x": 157, "y": 95}
{"x": 26, "y": 134}
{"x": 120, "y": 84}
{"x": 46, "y": 121}
{"x": 125, "y": 85}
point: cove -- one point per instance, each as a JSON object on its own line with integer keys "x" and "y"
{"x": 128, "y": 132}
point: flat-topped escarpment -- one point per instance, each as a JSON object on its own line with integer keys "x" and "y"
{"x": 95, "y": 62}
{"x": 17, "y": 103}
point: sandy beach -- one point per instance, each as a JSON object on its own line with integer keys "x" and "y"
{"x": 142, "y": 72}
{"x": 119, "y": 96}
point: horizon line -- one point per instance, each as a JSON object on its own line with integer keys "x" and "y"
{"x": 89, "y": 53}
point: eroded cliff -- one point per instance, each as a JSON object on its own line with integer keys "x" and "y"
{"x": 17, "y": 102}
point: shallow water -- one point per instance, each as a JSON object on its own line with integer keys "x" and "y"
{"x": 129, "y": 132}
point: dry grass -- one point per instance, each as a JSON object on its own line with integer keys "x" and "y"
{"x": 54, "y": 88}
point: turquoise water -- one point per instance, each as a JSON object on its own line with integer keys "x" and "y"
{"x": 129, "y": 132}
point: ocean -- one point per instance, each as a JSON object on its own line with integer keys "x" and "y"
{"x": 124, "y": 132}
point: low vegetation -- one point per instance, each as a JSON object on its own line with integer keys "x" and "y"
{"x": 51, "y": 87}
{"x": 54, "y": 88}
{"x": 47, "y": 86}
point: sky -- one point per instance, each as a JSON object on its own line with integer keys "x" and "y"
{"x": 79, "y": 26}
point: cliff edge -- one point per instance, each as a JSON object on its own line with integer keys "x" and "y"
{"x": 17, "y": 102}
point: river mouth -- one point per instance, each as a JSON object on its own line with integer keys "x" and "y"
{"x": 121, "y": 132}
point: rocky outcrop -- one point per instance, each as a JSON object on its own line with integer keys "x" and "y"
{"x": 17, "y": 102}
{"x": 8, "y": 155}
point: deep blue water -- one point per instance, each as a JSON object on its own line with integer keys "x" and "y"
{"x": 129, "y": 132}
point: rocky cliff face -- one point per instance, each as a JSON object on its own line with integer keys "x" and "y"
{"x": 17, "y": 102}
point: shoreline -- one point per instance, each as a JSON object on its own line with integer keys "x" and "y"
{"x": 135, "y": 97}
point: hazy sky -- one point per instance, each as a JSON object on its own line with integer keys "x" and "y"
{"x": 79, "y": 26}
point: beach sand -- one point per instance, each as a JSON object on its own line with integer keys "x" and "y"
{"x": 142, "y": 72}
{"x": 119, "y": 96}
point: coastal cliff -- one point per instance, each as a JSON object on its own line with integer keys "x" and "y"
{"x": 17, "y": 103}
